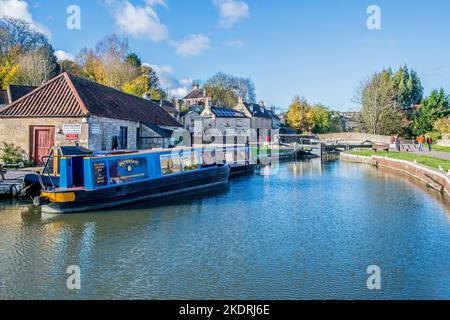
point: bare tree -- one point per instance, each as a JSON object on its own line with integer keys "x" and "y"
{"x": 381, "y": 112}
{"x": 15, "y": 33}
{"x": 35, "y": 68}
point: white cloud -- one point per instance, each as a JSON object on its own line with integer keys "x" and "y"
{"x": 152, "y": 3}
{"x": 18, "y": 9}
{"x": 231, "y": 11}
{"x": 62, "y": 55}
{"x": 234, "y": 43}
{"x": 193, "y": 45}
{"x": 177, "y": 88}
{"x": 139, "y": 21}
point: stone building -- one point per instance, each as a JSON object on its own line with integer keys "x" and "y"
{"x": 189, "y": 119}
{"x": 261, "y": 119}
{"x": 224, "y": 120}
{"x": 69, "y": 110}
{"x": 197, "y": 96}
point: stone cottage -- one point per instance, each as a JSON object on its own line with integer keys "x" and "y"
{"x": 261, "y": 118}
{"x": 225, "y": 121}
{"x": 69, "y": 110}
{"x": 197, "y": 97}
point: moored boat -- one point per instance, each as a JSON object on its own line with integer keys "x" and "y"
{"x": 94, "y": 181}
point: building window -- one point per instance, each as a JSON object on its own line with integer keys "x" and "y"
{"x": 138, "y": 139}
{"x": 123, "y": 137}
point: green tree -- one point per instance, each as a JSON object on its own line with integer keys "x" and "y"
{"x": 321, "y": 119}
{"x": 431, "y": 109}
{"x": 409, "y": 87}
{"x": 133, "y": 60}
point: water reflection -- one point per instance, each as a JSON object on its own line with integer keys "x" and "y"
{"x": 308, "y": 232}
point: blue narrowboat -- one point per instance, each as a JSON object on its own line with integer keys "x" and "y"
{"x": 87, "y": 181}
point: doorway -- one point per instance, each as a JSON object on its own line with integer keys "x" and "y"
{"x": 42, "y": 141}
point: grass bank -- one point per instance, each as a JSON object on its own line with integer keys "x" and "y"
{"x": 440, "y": 148}
{"x": 431, "y": 162}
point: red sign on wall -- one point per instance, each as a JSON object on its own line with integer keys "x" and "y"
{"x": 71, "y": 137}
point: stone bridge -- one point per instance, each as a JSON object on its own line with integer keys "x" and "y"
{"x": 341, "y": 138}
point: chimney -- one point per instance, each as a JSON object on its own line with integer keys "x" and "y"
{"x": 161, "y": 103}
{"x": 146, "y": 96}
{"x": 261, "y": 103}
{"x": 208, "y": 104}
{"x": 195, "y": 87}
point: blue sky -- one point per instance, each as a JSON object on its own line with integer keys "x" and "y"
{"x": 318, "y": 49}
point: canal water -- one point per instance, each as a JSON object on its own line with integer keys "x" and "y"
{"x": 309, "y": 231}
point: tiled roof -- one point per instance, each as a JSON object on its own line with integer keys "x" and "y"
{"x": 227, "y": 113}
{"x": 195, "y": 94}
{"x": 273, "y": 115}
{"x": 53, "y": 99}
{"x": 257, "y": 110}
{"x": 166, "y": 105}
{"x": 165, "y": 133}
{"x": 17, "y": 92}
{"x": 70, "y": 96}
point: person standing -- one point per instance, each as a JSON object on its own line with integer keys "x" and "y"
{"x": 430, "y": 143}
{"x": 421, "y": 141}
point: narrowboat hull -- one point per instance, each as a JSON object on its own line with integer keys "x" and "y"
{"x": 119, "y": 195}
{"x": 241, "y": 170}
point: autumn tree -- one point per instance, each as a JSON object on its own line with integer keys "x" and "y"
{"x": 299, "y": 115}
{"x": 112, "y": 65}
{"x": 36, "y": 67}
{"x": 26, "y": 57}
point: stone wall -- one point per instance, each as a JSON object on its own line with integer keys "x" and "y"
{"x": 433, "y": 178}
{"x": 18, "y": 131}
{"x": 108, "y": 129}
{"x": 354, "y": 137}
{"x": 445, "y": 141}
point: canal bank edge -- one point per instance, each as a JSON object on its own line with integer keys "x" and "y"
{"x": 432, "y": 178}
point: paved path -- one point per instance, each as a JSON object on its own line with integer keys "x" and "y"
{"x": 436, "y": 154}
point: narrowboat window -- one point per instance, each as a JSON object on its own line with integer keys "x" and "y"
{"x": 175, "y": 165}
{"x": 208, "y": 157}
{"x": 190, "y": 162}
{"x": 170, "y": 165}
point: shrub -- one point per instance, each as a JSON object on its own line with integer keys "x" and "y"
{"x": 11, "y": 154}
{"x": 434, "y": 135}
{"x": 442, "y": 125}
